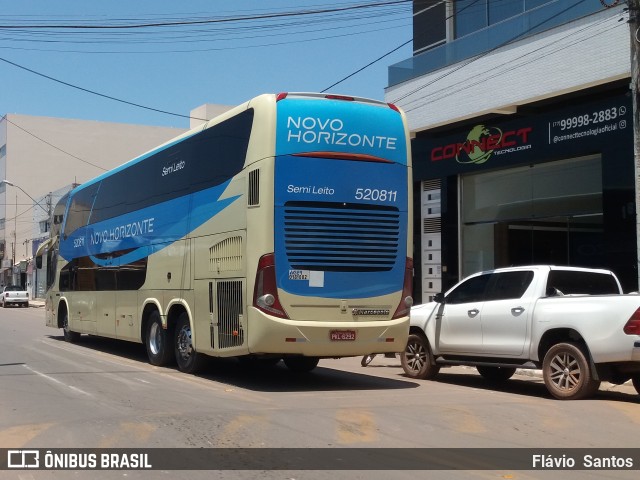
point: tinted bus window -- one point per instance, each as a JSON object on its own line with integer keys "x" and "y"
{"x": 205, "y": 160}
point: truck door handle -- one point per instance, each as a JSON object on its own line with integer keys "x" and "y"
{"x": 473, "y": 312}
{"x": 517, "y": 310}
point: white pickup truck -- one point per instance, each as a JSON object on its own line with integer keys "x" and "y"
{"x": 572, "y": 323}
{"x": 14, "y": 295}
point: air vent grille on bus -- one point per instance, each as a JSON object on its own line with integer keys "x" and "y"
{"x": 226, "y": 255}
{"x": 230, "y": 313}
{"x": 253, "y": 198}
{"x": 341, "y": 237}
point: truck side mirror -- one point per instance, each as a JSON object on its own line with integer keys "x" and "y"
{"x": 438, "y": 298}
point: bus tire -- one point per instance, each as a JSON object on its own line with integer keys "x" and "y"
{"x": 69, "y": 336}
{"x": 157, "y": 341}
{"x": 189, "y": 361}
{"x": 301, "y": 364}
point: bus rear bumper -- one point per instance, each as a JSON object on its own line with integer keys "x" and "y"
{"x": 274, "y": 335}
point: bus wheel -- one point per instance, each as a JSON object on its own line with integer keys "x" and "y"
{"x": 301, "y": 364}
{"x": 69, "y": 336}
{"x": 157, "y": 342}
{"x": 189, "y": 361}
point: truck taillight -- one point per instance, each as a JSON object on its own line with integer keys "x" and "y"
{"x": 265, "y": 292}
{"x": 406, "y": 300}
{"x": 632, "y": 326}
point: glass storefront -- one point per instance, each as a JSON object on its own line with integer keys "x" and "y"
{"x": 552, "y": 187}
{"x": 545, "y": 213}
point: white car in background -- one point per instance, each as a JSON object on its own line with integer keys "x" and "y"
{"x": 14, "y": 294}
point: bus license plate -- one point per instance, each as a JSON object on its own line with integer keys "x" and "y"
{"x": 342, "y": 335}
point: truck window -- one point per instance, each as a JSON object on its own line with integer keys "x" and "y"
{"x": 571, "y": 282}
{"x": 472, "y": 290}
{"x": 509, "y": 285}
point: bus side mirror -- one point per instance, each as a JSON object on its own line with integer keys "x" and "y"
{"x": 39, "y": 261}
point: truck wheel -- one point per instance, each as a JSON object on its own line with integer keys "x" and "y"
{"x": 636, "y": 382}
{"x": 496, "y": 374}
{"x": 417, "y": 359}
{"x": 189, "y": 361}
{"x": 567, "y": 374}
{"x": 157, "y": 342}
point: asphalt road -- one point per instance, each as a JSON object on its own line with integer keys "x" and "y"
{"x": 102, "y": 393}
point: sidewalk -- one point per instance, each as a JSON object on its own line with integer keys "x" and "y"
{"x": 36, "y": 302}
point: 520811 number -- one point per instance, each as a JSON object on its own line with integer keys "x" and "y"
{"x": 376, "y": 195}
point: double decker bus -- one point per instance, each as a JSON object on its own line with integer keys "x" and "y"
{"x": 278, "y": 230}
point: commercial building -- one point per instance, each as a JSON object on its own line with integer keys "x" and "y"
{"x": 40, "y": 159}
{"x": 523, "y": 137}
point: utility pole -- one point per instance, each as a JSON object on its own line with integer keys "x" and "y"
{"x": 634, "y": 11}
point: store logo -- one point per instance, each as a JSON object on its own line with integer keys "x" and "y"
{"x": 481, "y": 143}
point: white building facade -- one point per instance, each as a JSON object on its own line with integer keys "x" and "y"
{"x": 523, "y": 137}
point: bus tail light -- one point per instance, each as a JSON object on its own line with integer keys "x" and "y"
{"x": 406, "y": 300}
{"x": 265, "y": 293}
{"x": 632, "y": 327}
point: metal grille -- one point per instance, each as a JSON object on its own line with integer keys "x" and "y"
{"x": 341, "y": 237}
{"x": 432, "y": 225}
{"x": 254, "y": 188}
{"x": 226, "y": 256}
{"x": 230, "y": 312}
{"x": 431, "y": 185}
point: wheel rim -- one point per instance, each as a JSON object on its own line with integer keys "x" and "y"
{"x": 183, "y": 342}
{"x": 155, "y": 338}
{"x": 564, "y": 372}
{"x": 65, "y": 323}
{"x": 416, "y": 356}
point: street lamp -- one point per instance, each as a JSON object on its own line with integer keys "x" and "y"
{"x": 15, "y": 233}
{"x": 11, "y": 184}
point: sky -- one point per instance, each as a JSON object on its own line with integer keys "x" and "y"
{"x": 46, "y": 46}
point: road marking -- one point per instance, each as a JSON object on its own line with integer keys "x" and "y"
{"x": 129, "y": 431}
{"x": 628, "y": 409}
{"x": 21, "y": 435}
{"x": 55, "y": 380}
{"x": 356, "y": 426}
{"x": 237, "y": 429}
{"x": 219, "y": 386}
{"x": 463, "y": 419}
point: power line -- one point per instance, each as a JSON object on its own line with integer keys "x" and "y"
{"x": 207, "y": 21}
{"x": 97, "y": 93}
{"x": 5, "y": 117}
{"x": 484, "y": 54}
{"x": 544, "y": 51}
{"x": 368, "y": 65}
